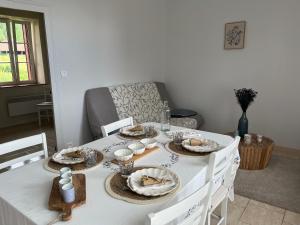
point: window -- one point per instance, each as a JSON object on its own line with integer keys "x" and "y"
{"x": 16, "y": 57}
{"x": 23, "y": 56}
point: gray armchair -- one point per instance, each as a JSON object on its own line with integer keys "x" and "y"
{"x": 142, "y": 101}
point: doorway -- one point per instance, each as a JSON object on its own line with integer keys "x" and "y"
{"x": 26, "y": 105}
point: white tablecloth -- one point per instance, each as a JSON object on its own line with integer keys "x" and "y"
{"x": 24, "y": 192}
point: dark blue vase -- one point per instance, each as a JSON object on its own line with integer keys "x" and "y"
{"x": 243, "y": 125}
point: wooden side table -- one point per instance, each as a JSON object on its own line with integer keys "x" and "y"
{"x": 255, "y": 156}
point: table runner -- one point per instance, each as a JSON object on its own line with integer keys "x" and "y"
{"x": 24, "y": 191}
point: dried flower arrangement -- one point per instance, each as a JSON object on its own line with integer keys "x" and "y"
{"x": 245, "y": 97}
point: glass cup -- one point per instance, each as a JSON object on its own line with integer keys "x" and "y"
{"x": 259, "y": 138}
{"x": 90, "y": 157}
{"x": 178, "y": 138}
{"x": 126, "y": 167}
{"x": 247, "y": 139}
{"x": 149, "y": 131}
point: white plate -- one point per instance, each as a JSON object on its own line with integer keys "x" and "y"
{"x": 209, "y": 146}
{"x": 126, "y": 131}
{"x": 59, "y": 156}
{"x": 134, "y": 182}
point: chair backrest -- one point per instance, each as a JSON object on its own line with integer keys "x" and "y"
{"x": 107, "y": 129}
{"x": 21, "y": 144}
{"x": 189, "y": 211}
{"x": 221, "y": 162}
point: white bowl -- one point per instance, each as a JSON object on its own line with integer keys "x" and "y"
{"x": 137, "y": 148}
{"x": 149, "y": 142}
{"x": 123, "y": 154}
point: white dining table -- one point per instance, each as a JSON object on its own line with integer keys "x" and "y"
{"x": 24, "y": 192}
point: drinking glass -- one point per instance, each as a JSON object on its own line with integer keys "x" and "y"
{"x": 149, "y": 131}
{"x": 90, "y": 157}
{"x": 247, "y": 139}
{"x": 126, "y": 167}
{"x": 259, "y": 138}
{"x": 177, "y": 138}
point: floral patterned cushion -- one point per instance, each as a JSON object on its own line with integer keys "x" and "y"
{"x": 139, "y": 100}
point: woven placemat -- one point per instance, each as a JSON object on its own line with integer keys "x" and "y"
{"x": 140, "y": 137}
{"x": 178, "y": 149}
{"x": 54, "y": 167}
{"x": 115, "y": 183}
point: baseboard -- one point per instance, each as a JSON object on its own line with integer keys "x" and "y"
{"x": 288, "y": 152}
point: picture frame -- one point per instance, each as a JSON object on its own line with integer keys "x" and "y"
{"x": 234, "y": 35}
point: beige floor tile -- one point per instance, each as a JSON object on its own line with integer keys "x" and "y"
{"x": 234, "y": 214}
{"x": 241, "y": 223}
{"x": 260, "y": 215}
{"x": 292, "y": 218}
{"x": 267, "y": 206}
{"x": 240, "y": 200}
{"x": 213, "y": 221}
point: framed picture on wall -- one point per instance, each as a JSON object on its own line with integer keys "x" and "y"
{"x": 234, "y": 37}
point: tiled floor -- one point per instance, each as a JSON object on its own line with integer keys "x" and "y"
{"x": 244, "y": 211}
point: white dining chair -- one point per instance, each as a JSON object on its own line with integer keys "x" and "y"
{"x": 220, "y": 169}
{"x": 23, "y": 143}
{"x": 107, "y": 129}
{"x": 190, "y": 211}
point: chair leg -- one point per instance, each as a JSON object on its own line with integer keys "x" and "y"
{"x": 208, "y": 218}
{"x": 224, "y": 211}
{"x": 48, "y": 115}
{"x": 39, "y": 117}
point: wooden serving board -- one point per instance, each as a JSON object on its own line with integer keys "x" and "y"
{"x": 56, "y": 201}
{"x": 137, "y": 157}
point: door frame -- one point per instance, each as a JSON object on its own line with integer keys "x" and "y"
{"x": 45, "y": 8}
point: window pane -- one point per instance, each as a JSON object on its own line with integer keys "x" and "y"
{"x": 4, "y": 47}
{"x": 3, "y": 32}
{"x": 4, "y": 57}
{"x": 23, "y": 71}
{"x": 20, "y": 28}
{"x": 21, "y": 47}
{"x": 22, "y": 57}
{"x": 5, "y": 72}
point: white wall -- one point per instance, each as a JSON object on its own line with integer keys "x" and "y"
{"x": 99, "y": 43}
{"x": 103, "y": 43}
{"x": 201, "y": 75}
